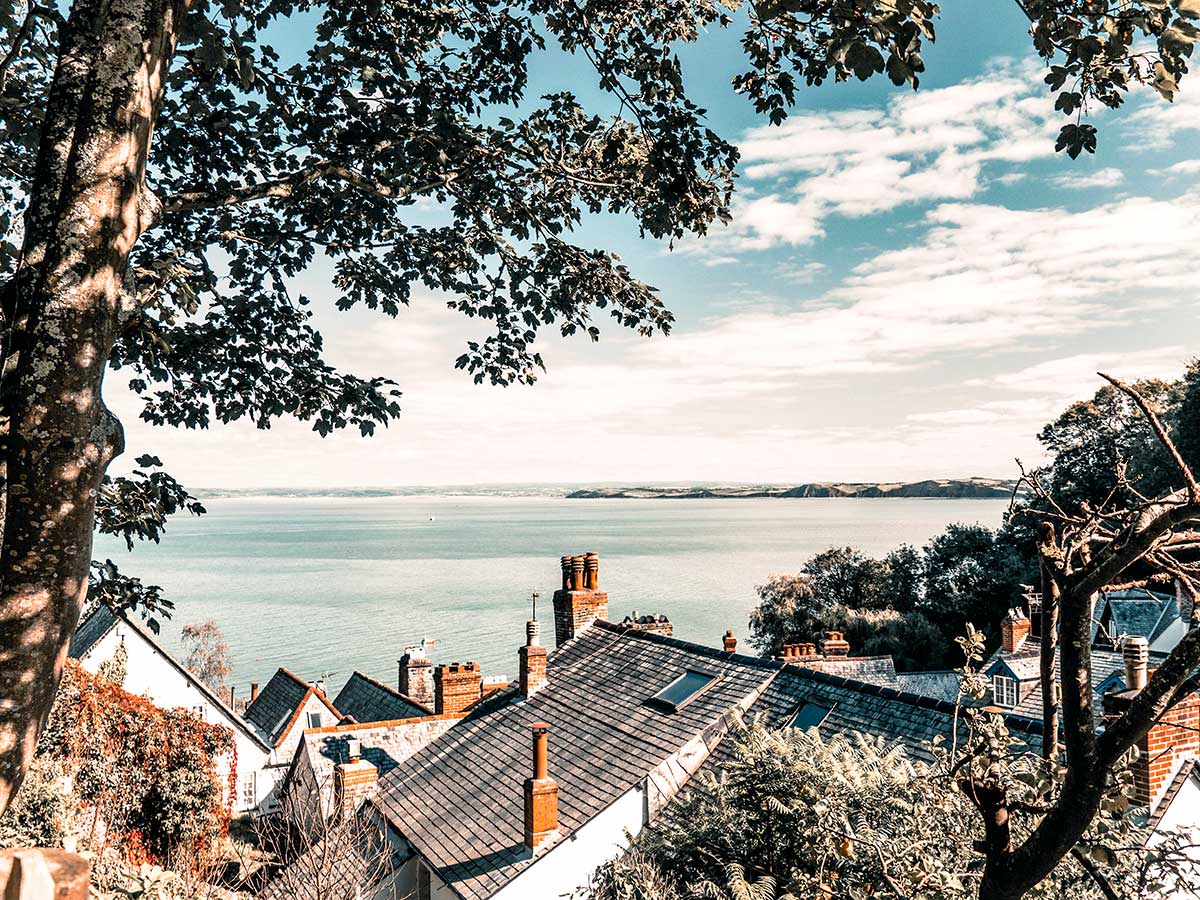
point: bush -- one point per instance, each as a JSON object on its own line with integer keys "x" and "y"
{"x": 150, "y": 773}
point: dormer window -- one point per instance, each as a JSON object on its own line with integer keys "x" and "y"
{"x": 809, "y": 715}
{"x": 682, "y": 691}
{"x": 1004, "y": 690}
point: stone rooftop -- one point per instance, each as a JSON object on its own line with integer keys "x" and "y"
{"x": 368, "y": 700}
{"x": 459, "y": 802}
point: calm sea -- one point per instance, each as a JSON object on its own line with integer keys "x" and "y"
{"x": 334, "y": 585}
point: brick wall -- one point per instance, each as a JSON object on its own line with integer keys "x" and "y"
{"x": 575, "y": 610}
{"x": 1174, "y": 736}
{"x": 353, "y": 782}
{"x": 456, "y": 686}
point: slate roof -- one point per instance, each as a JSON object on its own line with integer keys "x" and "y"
{"x": 275, "y": 708}
{"x": 459, "y": 800}
{"x": 871, "y": 669}
{"x": 1026, "y": 665}
{"x": 90, "y": 630}
{"x": 1135, "y": 612}
{"x": 368, "y": 700}
{"x": 941, "y": 685}
{"x": 384, "y": 744}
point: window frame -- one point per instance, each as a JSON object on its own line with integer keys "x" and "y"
{"x": 826, "y": 705}
{"x": 1002, "y": 683}
{"x": 248, "y": 789}
{"x": 658, "y": 701}
{"x": 314, "y": 715}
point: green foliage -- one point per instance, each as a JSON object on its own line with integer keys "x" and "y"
{"x": 149, "y": 773}
{"x": 913, "y": 641}
{"x": 846, "y": 576}
{"x": 36, "y": 817}
{"x": 837, "y": 817}
{"x": 909, "y": 605}
{"x": 973, "y": 574}
{"x": 1095, "y": 441}
{"x": 847, "y": 817}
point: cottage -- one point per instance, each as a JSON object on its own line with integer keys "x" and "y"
{"x": 154, "y": 673}
{"x": 542, "y": 782}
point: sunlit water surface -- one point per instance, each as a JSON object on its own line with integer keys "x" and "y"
{"x": 334, "y": 585}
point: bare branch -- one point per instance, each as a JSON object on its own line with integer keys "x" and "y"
{"x": 1165, "y": 439}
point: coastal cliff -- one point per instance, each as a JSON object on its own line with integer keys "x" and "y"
{"x": 945, "y": 488}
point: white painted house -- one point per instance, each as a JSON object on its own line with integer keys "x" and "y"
{"x": 153, "y": 673}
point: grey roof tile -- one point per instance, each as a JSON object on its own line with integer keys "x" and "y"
{"x": 90, "y": 630}
{"x": 604, "y": 739}
{"x": 276, "y": 704}
{"x": 368, "y": 700}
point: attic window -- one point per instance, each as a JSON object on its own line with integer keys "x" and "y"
{"x": 682, "y": 691}
{"x": 1004, "y": 690}
{"x": 809, "y": 715}
{"x": 314, "y": 720}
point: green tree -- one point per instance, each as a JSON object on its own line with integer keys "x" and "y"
{"x": 846, "y": 576}
{"x": 972, "y": 574}
{"x": 903, "y": 584}
{"x": 1095, "y": 442}
{"x": 788, "y": 610}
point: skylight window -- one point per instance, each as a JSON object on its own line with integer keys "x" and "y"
{"x": 682, "y": 691}
{"x": 809, "y": 715}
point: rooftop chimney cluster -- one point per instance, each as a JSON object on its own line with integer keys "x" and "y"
{"x": 456, "y": 687}
{"x": 1172, "y": 739}
{"x": 833, "y": 646}
{"x": 655, "y": 624}
{"x": 579, "y": 602}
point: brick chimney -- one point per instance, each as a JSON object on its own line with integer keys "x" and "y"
{"x": 253, "y": 691}
{"x": 541, "y": 793}
{"x": 579, "y": 602}
{"x": 532, "y": 659}
{"x": 353, "y": 781}
{"x": 416, "y": 674}
{"x": 1014, "y": 629}
{"x": 456, "y": 686}
{"x": 729, "y": 642}
{"x": 835, "y": 644}
{"x": 1172, "y": 739}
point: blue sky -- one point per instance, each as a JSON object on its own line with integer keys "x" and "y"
{"x": 912, "y": 284}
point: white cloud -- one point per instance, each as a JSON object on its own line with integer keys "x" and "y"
{"x": 1183, "y": 167}
{"x": 1074, "y": 377}
{"x": 768, "y": 391}
{"x": 1156, "y": 122}
{"x": 921, "y": 147}
{"x": 1083, "y": 180}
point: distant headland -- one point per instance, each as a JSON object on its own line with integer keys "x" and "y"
{"x": 945, "y": 488}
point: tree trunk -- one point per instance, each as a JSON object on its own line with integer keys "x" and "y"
{"x": 63, "y": 311}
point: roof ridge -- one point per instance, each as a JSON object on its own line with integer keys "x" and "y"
{"x": 238, "y": 720}
{"x": 760, "y": 662}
